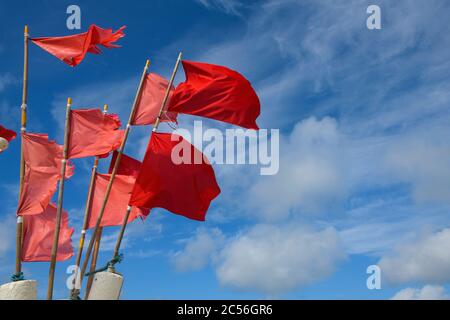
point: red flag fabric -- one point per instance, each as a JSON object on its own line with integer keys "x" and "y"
{"x": 128, "y": 166}
{"x": 150, "y": 100}
{"x": 72, "y": 49}
{"x": 218, "y": 93}
{"x": 117, "y": 201}
{"x": 42, "y": 159}
{"x": 186, "y": 189}
{"x": 7, "y": 134}
{"x": 93, "y": 133}
{"x": 120, "y": 193}
{"x": 38, "y": 236}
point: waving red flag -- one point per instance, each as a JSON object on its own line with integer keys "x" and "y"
{"x": 117, "y": 201}
{"x": 6, "y": 136}
{"x": 186, "y": 188}
{"x": 72, "y": 49}
{"x": 218, "y": 93}
{"x": 93, "y": 133}
{"x": 38, "y": 236}
{"x": 42, "y": 159}
{"x": 149, "y": 104}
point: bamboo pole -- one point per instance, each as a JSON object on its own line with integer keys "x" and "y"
{"x": 51, "y": 275}
{"x": 23, "y": 129}
{"x": 155, "y": 127}
{"x": 166, "y": 96}
{"x": 114, "y": 171}
{"x": 93, "y": 262}
{"x": 75, "y": 291}
{"x": 122, "y": 231}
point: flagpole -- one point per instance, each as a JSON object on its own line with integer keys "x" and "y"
{"x": 51, "y": 275}
{"x": 23, "y": 129}
{"x": 166, "y": 96}
{"x": 93, "y": 262}
{"x": 114, "y": 171}
{"x": 155, "y": 127}
{"x": 75, "y": 291}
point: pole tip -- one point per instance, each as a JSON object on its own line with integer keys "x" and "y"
{"x": 147, "y": 63}
{"x": 25, "y": 29}
{"x": 180, "y": 55}
{"x": 105, "y": 108}
{"x": 69, "y": 101}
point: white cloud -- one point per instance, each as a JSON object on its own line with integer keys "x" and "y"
{"x": 199, "y": 250}
{"x": 421, "y": 158}
{"x": 313, "y": 172}
{"x": 274, "y": 260}
{"x": 428, "y": 292}
{"x": 427, "y": 259}
{"x": 227, "y": 6}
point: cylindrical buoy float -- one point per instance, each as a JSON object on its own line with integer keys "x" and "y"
{"x": 106, "y": 286}
{"x": 19, "y": 290}
{"x": 3, "y": 144}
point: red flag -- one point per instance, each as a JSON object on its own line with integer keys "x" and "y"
{"x": 42, "y": 159}
{"x": 218, "y": 93}
{"x": 6, "y": 136}
{"x": 186, "y": 189}
{"x": 72, "y": 49}
{"x": 38, "y": 236}
{"x": 120, "y": 193}
{"x": 117, "y": 201}
{"x": 93, "y": 133}
{"x": 149, "y": 103}
{"x": 128, "y": 166}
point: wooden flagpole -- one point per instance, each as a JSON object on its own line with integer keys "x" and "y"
{"x": 51, "y": 275}
{"x": 114, "y": 171}
{"x": 23, "y": 129}
{"x": 155, "y": 127}
{"x": 75, "y": 291}
{"x": 93, "y": 262}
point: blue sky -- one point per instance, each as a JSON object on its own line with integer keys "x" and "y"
{"x": 364, "y": 151}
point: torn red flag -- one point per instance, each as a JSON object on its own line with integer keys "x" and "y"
{"x": 150, "y": 101}
{"x": 38, "y": 236}
{"x": 93, "y": 133}
{"x": 218, "y": 93}
{"x": 182, "y": 187}
{"x": 72, "y": 49}
{"x": 42, "y": 159}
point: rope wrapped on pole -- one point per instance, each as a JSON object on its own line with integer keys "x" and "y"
{"x": 110, "y": 265}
